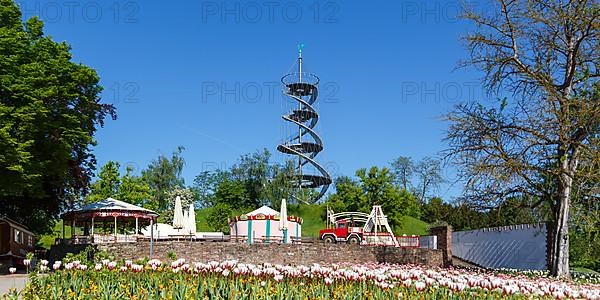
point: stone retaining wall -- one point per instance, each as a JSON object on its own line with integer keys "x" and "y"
{"x": 292, "y": 254}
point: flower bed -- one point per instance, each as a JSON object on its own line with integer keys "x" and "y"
{"x": 231, "y": 280}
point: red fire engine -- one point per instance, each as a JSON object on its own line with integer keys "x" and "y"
{"x": 345, "y": 227}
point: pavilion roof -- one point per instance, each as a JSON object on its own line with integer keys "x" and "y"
{"x": 111, "y": 205}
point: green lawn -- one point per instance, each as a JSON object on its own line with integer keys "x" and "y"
{"x": 311, "y": 214}
{"x": 411, "y": 226}
{"x": 47, "y": 240}
{"x": 201, "y": 224}
{"x": 584, "y": 270}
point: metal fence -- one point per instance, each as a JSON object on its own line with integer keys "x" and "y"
{"x": 515, "y": 247}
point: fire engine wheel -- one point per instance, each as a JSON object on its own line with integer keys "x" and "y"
{"x": 354, "y": 240}
{"x": 329, "y": 239}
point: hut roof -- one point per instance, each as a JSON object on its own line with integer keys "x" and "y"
{"x": 13, "y": 223}
{"x": 265, "y": 210}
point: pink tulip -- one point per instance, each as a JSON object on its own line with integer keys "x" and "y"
{"x": 137, "y": 268}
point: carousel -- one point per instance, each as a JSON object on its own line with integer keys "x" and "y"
{"x": 266, "y": 225}
{"x": 107, "y": 221}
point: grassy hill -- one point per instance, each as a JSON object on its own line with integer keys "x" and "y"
{"x": 411, "y": 226}
{"x": 47, "y": 240}
{"x": 312, "y": 218}
{"x": 201, "y": 224}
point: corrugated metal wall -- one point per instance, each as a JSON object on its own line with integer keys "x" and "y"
{"x": 514, "y": 247}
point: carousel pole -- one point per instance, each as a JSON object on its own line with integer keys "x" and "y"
{"x": 151, "y": 236}
{"x": 92, "y": 233}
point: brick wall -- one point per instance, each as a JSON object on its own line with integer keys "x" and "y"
{"x": 444, "y": 243}
{"x": 304, "y": 254}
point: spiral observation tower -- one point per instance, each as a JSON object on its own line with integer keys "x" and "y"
{"x": 304, "y": 144}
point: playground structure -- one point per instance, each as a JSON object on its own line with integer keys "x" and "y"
{"x": 305, "y": 144}
{"x": 345, "y": 227}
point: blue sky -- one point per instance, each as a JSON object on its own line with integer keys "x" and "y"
{"x": 387, "y": 70}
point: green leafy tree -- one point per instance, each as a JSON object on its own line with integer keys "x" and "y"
{"x": 107, "y": 184}
{"x": 348, "y": 196}
{"x": 254, "y": 172}
{"x": 279, "y": 186}
{"x": 163, "y": 175}
{"x": 234, "y": 194}
{"x": 205, "y": 185}
{"x": 188, "y": 197}
{"x": 379, "y": 189}
{"x": 49, "y": 112}
{"x": 585, "y": 220}
{"x": 373, "y": 187}
{"x": 250, "y": 182}
{"x": 513, "y": 211}
{"x": 133, "y": 189}
{"x": 464, "y": 217}
{"x": 217, "y": 217}
{"x": 436, "y": 210}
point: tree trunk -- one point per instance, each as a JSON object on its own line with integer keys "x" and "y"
{"x": 551, "y": 233}
{"x": 560, "y": 255}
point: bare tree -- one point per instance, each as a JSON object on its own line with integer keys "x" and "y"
{"x": 545, "y": 54}
{"x": 403, "y": 168}
{"x": 429, "y": 172}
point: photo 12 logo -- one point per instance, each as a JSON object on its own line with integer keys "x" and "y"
{"x": 270, "y": 12}
{"x": 452, "y": 92}
{"x": 426, "y": 11}
{"x": 77, "y": 11}
{"x": 124, "y": 92}
{"x": 254, "y": 92}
